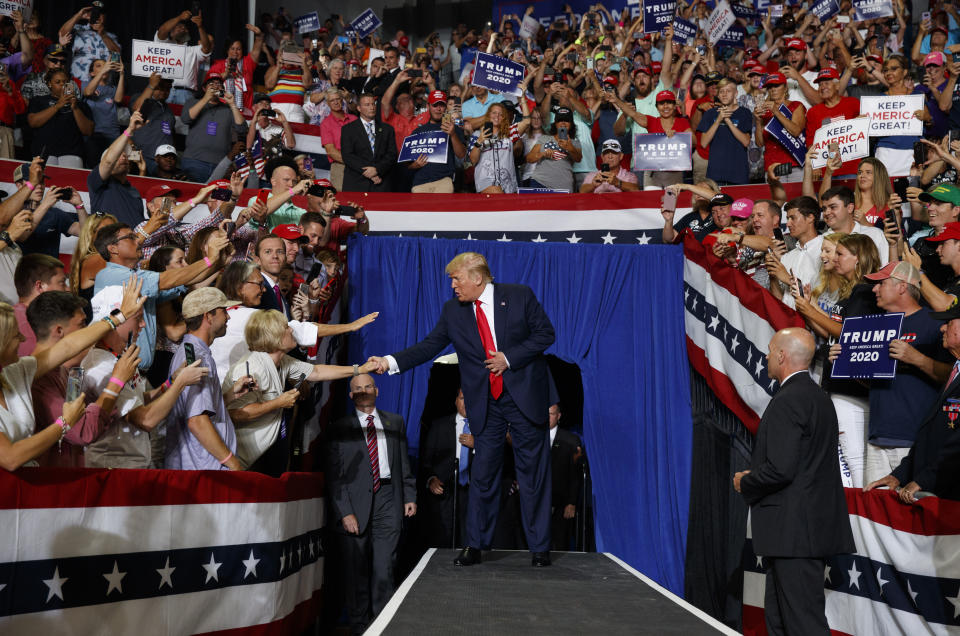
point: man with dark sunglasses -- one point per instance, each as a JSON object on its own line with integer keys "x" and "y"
{"x": 34, "y": 84}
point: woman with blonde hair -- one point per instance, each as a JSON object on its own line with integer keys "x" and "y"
{"x": 86, "y": 261}
{"x": 19, "y": 445}
{"x": 258, "y": 415}
{"x": 872, "y": 194}
{"x": 493, "y": 149}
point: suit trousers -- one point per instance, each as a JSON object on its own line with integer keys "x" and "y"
{"x": 369, "y": 560}
{"x": 794, "y": 601}
{"x": 531, "y": 451}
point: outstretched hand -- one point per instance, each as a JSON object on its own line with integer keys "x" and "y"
{"x": 378, "y": 364}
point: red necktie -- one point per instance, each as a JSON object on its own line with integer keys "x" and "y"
{"x": 276, "y": 292}
{"x": 373, "y": 452}
{"x": 953, "y": 375}
{"x": 496, "y": 381}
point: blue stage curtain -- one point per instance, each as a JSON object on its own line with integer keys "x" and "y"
{"x": 618, "y": 314}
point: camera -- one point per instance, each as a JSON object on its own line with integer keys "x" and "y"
{"x": 221, "y": 194}
{"x": 268, "y": 112}
{"x": 413, "y": 73}
{"x": 65, "y": 194}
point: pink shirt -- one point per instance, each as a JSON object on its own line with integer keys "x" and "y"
{"x": 331, "y": 126}
{"x": 623, "y": 175}
{"x": 29, "y": 344}
{"x": 49, "y": 392}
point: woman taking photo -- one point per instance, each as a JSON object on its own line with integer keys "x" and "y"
{"x": 492, "y": 150}
{"x": 554, "y": 155}
{"x": 856, "y": 256}
{"x": 19, "y": 445}
{"x": 237, "y": 69}
{"x": 242, "y": 281}
{"x": 59, "y": 122}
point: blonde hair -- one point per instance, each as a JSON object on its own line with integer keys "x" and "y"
{"x": 868, "y": 260}
{"x": 9, "y": 329}
{"x": 828, "y": 281}
{"x": 473, "y": 262}
{"x": 85, "y": 246}
{"x": 264, "y": 331}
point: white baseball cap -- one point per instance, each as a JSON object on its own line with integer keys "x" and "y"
{"x": 165, "y": 149}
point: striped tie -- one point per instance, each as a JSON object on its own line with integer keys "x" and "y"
{"x": 371, "y": 135}
{"x": 373, "y": 452}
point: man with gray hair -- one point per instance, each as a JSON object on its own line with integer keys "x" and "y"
{"x": 505, "y": 382}
{"x": 330, "y": 134}
{"x": 793, "y": 488}
{"x": 897, "y": 405}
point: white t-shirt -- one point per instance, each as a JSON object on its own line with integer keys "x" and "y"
{"x": 256, "y": 436}
{"x": 793, "y": 88}
{"x": 9, "y": 257}
{"x": 231, "y": 347}
{"x": 121, "y": 445}
{"x": 17, "y": 421}
{"x": 191, "y": 63}
{"x": 876, "y": 235}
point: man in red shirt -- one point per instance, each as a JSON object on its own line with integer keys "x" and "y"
{"x": 330, "y": 134}
{"x": 397, "y": 109}
{"x": 833, "y": 108}
{"x": 11, "y": 105}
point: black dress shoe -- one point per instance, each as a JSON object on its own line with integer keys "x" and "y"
{"x": 469, "y": 556}
{"x": 541, "y": 559}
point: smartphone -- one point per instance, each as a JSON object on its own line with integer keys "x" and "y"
{"x": 900, "y": 185}
{"x": 833, "y": 150}
{"x": 230, "y": 227}
{"x": 413, "y": 73}
{"x": 300, "y": 380}
{"x": 74, "y": 383}
{"x": 66, "y": 194}
{"x": 925, "y": 16}
{"x": 314, "y": 272}
{"x": 701, "y": 50}
{"x": 114, "y": 56}
{"x": 604, "y": 167}
{"x": 308, "y": 164}
{"x": 669, "y": 202}
{"x": 891, "y": 216}
{"x": 305, "y": 289}
{"x": 129, "y": 340}
{"x": 954, "y": 132}
{"x": 778, "y": 234}
{"x": 262, "y": 196}
{"x": 250, "y": 383}
{"x": 134, "y": 156}
{"x": 345, "y": 210}
{"x": 919, "y": 153}
{"x": 189, "y": 353}
{"x": 782, "y": 170}
{"x": 562, "y": 134}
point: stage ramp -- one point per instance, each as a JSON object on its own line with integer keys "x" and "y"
{"x": 581, "y": 593}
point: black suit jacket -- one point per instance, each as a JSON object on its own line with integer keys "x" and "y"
{"x": 348, "y": 468}
{"x": 794, "y": 489}
{"x": 934, "y": 459}
{"x": 268, "y": 300}
{"x": 566, "y": 478}
{"x": 356, "y": 153}
{"x": 438, "y": 454}
{"x": 523, "y": 333}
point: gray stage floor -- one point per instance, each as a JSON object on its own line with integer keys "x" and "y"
{"x": 581, "y": 593}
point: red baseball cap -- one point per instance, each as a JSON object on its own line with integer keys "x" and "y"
{"x": 666, "y": 96}
{"x": 796, "y": 44}
{"x": 404, "y": 41}
{"x": 875, "y": 58}
{"x": 825, "y": 74}
{"x": 775, "y": 79}
{"x": 753, "y": 67}
{"x": 211, "y": 76}
{"x": 611, "y": 79}
{"x": 436, "y": 97}
{"x": 950, "y": 231}
{"x": 220, "y": 183}
{"x": 752, "y": 52}
{"x": 656, "y": 67}
{"x": 642, "y": 69}
{"x": 353, "y": 63}
{"x": 163, "y": 190}
{"x": 319, "y": 187}
{"x": 289, "y": 231}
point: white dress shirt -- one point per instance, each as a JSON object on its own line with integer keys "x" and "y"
{"x": 803, "y": 261}
{"x": 460, "y": 421}
{"x": 381, "y": 440}
{"x": 553, "y": 435}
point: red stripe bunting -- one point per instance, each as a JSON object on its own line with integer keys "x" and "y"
{"x": 91, "y": 488}
{"x": 929, "y": 516}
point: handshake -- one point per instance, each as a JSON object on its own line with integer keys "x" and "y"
{"x": 377, "y": 364}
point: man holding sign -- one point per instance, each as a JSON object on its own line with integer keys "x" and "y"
{"x": 832, "y": 108}
{"x": 438, "y": 177}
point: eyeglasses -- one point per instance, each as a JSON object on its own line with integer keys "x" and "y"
{"x": 892, "y": 68}
{"x": 132, "y": 237}
{"x": 252, "y": 282}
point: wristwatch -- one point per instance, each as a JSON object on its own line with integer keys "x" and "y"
{"x": 118, "y": 316}
{"x": 5, "y": 237}
{"x": 356, "y": 370}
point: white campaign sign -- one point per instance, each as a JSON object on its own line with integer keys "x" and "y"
{"x": 893, "y": 116}
{"x": 157, "y": 57}
{"x": 721, "y": 19}
{"x": 374, "y": 54}
{"x": 528, "y": 27}
{"x": 851, "y": 135}
{"x": 7, "y": 7}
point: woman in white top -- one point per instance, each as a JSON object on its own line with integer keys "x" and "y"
{"x": 257, "y": 415}
{"x": 241, "y": 281}
{"x": 19, "y": 444}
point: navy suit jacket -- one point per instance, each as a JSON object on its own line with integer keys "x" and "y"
{"x": 523, "y": 333}
{"x": 269, "y": 300}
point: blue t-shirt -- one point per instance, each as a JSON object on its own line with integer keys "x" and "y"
{"x": 110, "y": 196}
{"x": 938, "y": 128}
{"x": 114, "y": 274}
{"x": 437, "y": 171}
{"x": 897, "y": 406}
{"x": 45, "y": 238}
{"x": 104, "y": 110}
{"x": 728, "y": 157}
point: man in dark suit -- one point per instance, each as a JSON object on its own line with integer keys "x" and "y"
{"x": 564, "y": 452}
{"x": 367, "y": 167}
{"x": 500, "y": 333}
{"x": 445, "y": 458}
{"x": 793, "y": 487}
{"x": 371, "y": 490}
{"x": 271, "y": 256}
{"x": 933, "y": 464}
